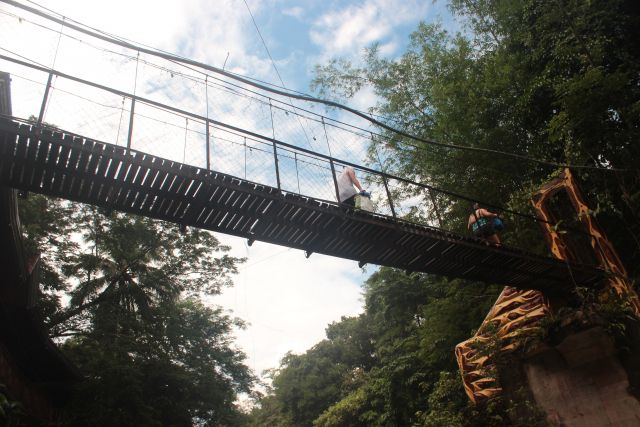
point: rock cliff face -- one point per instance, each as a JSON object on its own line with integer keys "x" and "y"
{"x": 581, "y": 382}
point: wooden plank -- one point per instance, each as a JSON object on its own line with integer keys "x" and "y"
{"x": 71, "y": 164}
{"x": 84, "y": 155}
{"x": 60, "y": 165}
{"x": 175, "y": 192}
{"x": 151, "y": 182}
{"x": 30, "y": 160}
{"x": 93, "y": 183}
{"x": 40, "y": 163}
{"x": 101, "y": 188}
{"x": 17, "y": 171}
{"x": 50, "y": 165}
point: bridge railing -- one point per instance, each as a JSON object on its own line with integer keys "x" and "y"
{"x": 51, "y": 98}
{"x": 186, "y": 114}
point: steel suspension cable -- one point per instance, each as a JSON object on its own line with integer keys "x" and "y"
{"x": 288, "y": 93}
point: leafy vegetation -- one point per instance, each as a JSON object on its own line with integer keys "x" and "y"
{"x": 551, "y": 82}
{"x": 123, "y": 296}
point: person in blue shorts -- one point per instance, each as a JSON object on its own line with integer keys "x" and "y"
{"x": 485, "y": 224}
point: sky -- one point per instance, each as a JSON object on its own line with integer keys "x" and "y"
{"x": 286, "y": 299}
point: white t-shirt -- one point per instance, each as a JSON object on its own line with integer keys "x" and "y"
{"x": 345, "y": 186}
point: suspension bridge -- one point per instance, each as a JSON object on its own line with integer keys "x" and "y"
{"x": 232, "y": 157}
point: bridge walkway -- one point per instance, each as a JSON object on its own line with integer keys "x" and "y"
{"x": 72, "y": 167}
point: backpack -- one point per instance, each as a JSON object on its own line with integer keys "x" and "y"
{"x": 483, "y": 227}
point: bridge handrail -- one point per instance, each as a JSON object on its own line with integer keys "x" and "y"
{"x": 271, "y": 140}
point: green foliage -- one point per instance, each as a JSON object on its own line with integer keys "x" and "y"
{"x": 46, "y": 227}
{"x": 372, "y": 370}
{"x": 150, "y": 351}
{"x": 552, "y": 81}
{"x": 11, "y": 414}
{"x": 446, "y": 403}
{"x": 176, "y": 371}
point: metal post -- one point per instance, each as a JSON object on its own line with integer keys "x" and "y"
{"x": 207, "y": 146}
{"x": 386, "y": 187}
{"x": 275, "y": 158}
{"x": 5, "y": 94}
{"x": 45, "y": 98}
{"x": 133, "y": 105}
{"x": 295, "y": 156}
{"x": 335, "y": 180}
{"x": 384, "y": 177}
{"x": 245, "y": 157}
{"x": 206, "y": 96}
{"x": 184, "y": 150}
{"x": 275, "y": 149}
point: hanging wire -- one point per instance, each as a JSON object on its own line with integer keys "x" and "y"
{"x": 273, "y": 128}
{"x": 292, "y": 94}
{"x": 322, "y": 120}
{"x": 135, "y": 77}
{"x": 55, "y": 55}
{"x": 120, "y": 120}
{"x": 273, "y": 63}
{"x": 326, "y": 136}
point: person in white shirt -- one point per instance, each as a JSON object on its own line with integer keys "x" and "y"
{"x": 346, "y": 181}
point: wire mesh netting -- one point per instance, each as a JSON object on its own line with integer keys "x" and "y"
{"x": 190, "y": 113}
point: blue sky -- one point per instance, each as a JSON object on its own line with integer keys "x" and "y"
{"x": 287, "y": 300}
{"x": 300, "y": 34}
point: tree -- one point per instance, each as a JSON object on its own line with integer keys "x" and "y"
{"x": 548, "y": 82}
{"x": 152, "y": 353}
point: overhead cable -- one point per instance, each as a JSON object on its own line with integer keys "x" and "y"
{"x": 295, "y": 95}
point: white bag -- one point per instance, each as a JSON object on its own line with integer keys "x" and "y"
{"x": 364, "y": 203}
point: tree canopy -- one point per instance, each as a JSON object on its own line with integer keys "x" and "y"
{"x": 123, "y": 296}
{"x": 548, "y": 83}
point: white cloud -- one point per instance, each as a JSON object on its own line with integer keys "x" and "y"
{"x": 288, "y": 299}
{"x": 345, "y": 32}
{"x": 296, "y": 12}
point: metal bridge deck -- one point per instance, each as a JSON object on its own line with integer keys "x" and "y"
{"x": 72, "y": 167}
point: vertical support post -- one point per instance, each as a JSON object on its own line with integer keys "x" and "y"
{"x": 295, "y": 156}
{"x": 133, "y": 104}
{"x": 206, "y": 97}
{"x": 5, "y": 94}
{"x": 245, "y": 157}
{"x": 384, "y": 177}
{"x": 207, "y": 149}
{"x": 275, "y": 159}
{"x": 45, "y": 98}
{"x": 275, "y": 148}
{"x": 130, "y": 134}
{"x": 386, "y": 187}
{"x": 335, "y": 180}
{"x": 184, "y": 150}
